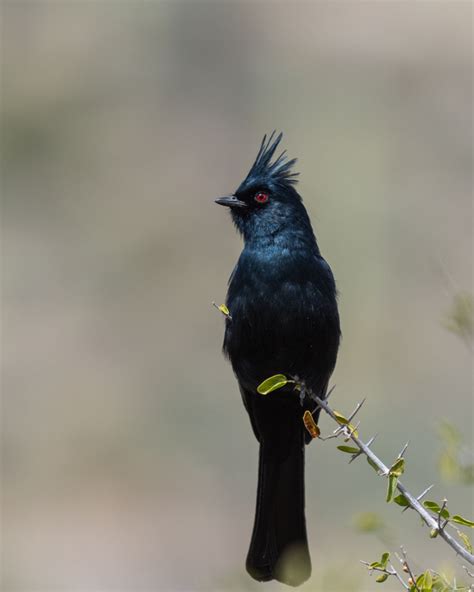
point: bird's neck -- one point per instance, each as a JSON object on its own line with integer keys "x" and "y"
{"x": 279, "y": 232}
{"x": 283, "y": 241}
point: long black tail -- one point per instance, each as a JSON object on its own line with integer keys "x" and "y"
{"x": 279, "y": 545}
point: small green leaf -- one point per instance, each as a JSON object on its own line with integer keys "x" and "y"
{"x": 392, "y": 484}
{"x": 384, "y": 559}
{"x": 466, "y": 541}
{"x": 433, "y": 506}
{"x": 401, "y": 500}
{"x": 427, "y": 581}
{"x": 444, "y": 513}
{"x": 340, "y": 418}
{"x": 381, "y": 578}
{"x": 433, "y": 533}
{"x": 349, "y": 449}
{"x": 224, "y": 310}
{"x": 419, "y": 581}
{"x": 272, "y": 384}
{"x": 460, "y": 520}
{"x": 374, "y": 564}
{"x": 398, "y": 467}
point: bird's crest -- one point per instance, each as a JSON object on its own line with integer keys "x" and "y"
{"x": 278, "y": 171}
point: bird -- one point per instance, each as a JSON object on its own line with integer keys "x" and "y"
{"x": 283, "y": 319}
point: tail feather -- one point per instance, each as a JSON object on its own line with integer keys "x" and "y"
{"x": 279, "y": 545}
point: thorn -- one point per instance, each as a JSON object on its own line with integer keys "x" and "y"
{"x": 354, "y": 456}
{"x": 420, "y": 497}
{"x": 403, "y": 450}
{"x": 359, "y": 405}
{"x": 425, "y": 492}
{"x": 371, "y": 441}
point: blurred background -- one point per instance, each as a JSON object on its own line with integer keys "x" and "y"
{"x": 128, "y": 462}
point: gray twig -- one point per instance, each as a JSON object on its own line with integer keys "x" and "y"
{"x": 443, "y": 506}
{"x": 407, "y": 567}
{"x": 392, "y": 572}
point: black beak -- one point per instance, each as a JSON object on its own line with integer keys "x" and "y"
{"x": 231, "y": 202}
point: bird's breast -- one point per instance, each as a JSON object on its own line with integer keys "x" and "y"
{"x": 283, "y": 317}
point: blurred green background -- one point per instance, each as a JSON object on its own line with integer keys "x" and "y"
{"x": 128, "y": 459}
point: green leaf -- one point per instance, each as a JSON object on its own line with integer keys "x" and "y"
{"x": 460, "y": 520}
{"x": 349, "y": 449}
{"x": 392, "y": 484}
{"x": 433, "y": 506}
{"x": 427, "y": 581}
{"x": 420, "y": 581}
{"x": 384, "y": 559}
{"x": 398, "y": 467}
{"x": 272, "y": 384}
{"x": 401, "y": 500}
{"x": 466, "y": 541}
{"x": 444, "y": 513}
{"x": 433, "y": 533}
{"x": 340, "y": 418}
{"x": 381, "y": 578}
{"x": 374, "y": 564}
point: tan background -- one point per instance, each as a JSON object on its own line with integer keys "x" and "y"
{"x": 128, "y": 460}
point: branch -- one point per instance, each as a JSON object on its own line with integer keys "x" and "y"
{"x": 406, "y": 567}
{"x": 413, "y": 502}
{"x": 389, "y": 572}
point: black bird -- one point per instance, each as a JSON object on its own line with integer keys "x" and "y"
{"x": 284, "y": 320}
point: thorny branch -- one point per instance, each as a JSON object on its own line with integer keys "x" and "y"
{"x": 434, "y": 524}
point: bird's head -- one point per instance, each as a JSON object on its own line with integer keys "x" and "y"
{"x": 266, "y": 201}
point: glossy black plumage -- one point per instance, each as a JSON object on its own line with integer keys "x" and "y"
{"x": 282, "y": 300}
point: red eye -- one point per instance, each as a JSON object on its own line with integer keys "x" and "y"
{"x": 261, "y": 197}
